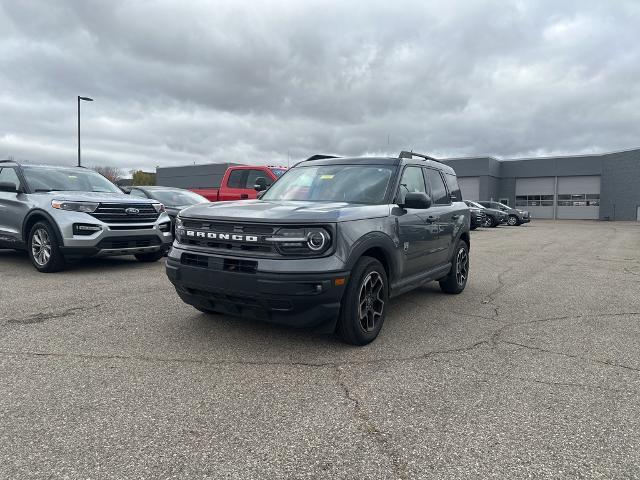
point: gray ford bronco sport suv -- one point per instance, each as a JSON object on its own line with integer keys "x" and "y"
{"x": 59, "y": 214}
{"x": 327, "y": 244}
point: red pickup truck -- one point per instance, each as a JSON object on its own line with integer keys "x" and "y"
{"x": 238, "y": 183}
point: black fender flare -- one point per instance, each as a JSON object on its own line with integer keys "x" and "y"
{"x": 381, "y": 241}
{"x": 41, "y": 213}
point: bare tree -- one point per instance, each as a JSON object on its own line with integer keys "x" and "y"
{"x": 110, "y": 173}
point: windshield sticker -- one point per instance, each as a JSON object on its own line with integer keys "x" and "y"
{"x": 326, "y": 177}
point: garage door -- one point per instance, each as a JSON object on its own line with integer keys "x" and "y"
{"x": 579, "y": 197}
{"x": 536, "y": 195}
{"x": 470, "y": 188}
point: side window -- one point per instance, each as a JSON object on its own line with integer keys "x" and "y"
{"x": 255, "y": 174}
{"x": 454, "y": 189}
{"x": 137, "y": 193}
{"x": 439, "y": 195}
{"x": 412, "y": 181}
{"x": 238, "y": 179}
{"x": 9, "y": 175}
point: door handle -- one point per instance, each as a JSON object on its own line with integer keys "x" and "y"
{"x": 431, "y": 219}
{"x": 244, "y": 196}
{"x": 455, "y": 217}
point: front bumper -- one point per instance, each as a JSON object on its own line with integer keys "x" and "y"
{"x": 477, "y": 219}
{"x": 113, "y": 239}
{"x": 229, "y": 285}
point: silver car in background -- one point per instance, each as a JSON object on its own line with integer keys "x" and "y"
{"x": 61, "y": 214}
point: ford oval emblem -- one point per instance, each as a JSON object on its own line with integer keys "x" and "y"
{"x": 132, "y": 211}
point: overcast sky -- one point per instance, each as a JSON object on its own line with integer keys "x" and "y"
{"x": 201, "y": 81}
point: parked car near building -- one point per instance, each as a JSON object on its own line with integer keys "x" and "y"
{"x": 492, "y": 216}
{"x": 327, "y": 245}
{"x": 59, "y": 214}
{"x": 239, "y": 183}
{"x": 478, "y": 215}
{"x": 173, "y": 199}
{"x": 515, "y": 216}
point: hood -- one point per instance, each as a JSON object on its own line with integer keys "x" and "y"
{"x": 95, "y": 197}
{"x": 173, "y": 210}
{"x": 285, "y": 212}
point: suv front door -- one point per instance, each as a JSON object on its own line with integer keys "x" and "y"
{"x": 13, "y": 208}
{"x": 418, "y": 233}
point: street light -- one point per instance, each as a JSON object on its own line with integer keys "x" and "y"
{"x": 87, "y": 99}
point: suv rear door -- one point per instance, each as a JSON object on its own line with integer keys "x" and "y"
{"x": 13, "y": 207}
{"x": 418, "y": 234}
{"x": 442, "y": 213}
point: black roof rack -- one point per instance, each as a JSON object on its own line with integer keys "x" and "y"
{"x": 320, "y": 157}
{"x": 405, "y": 154}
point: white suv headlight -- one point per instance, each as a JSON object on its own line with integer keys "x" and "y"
{"x": 86, "y": 207}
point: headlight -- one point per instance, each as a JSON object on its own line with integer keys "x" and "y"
{"x": 159, "y": 207}
{"x": 301, "y": 241}
{"x": 87, "y": 207}
{"x": 178, "y": 229}
{"x": 317, "y": 240}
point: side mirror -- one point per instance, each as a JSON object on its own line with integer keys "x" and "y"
{"x": 416, "y": 200}
{"x": 8, "y": 187}
{"x": 261, "y": 184}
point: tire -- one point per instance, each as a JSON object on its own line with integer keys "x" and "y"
{"x": 512, "y": 221}
{"x": 455, "y": 282}
{"x": 364, "y": 304}
{"x": 149, "y": 257}
{"x": 489, "y": 222}
{"x": 43, "y": 248}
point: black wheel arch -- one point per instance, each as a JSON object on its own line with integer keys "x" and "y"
{"x": 379, "y": 246}
{"x": 35, "y": 216}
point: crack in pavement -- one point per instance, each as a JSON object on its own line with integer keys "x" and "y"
{"x": 570, "y": 355}
{"x": 44, "y": 316}
{"x": 152, "y": 359}
{"x": 370, "y": 429}
{"x": 544, "y": 382}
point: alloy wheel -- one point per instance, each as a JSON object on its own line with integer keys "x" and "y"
{"x": 41, "y": 247}
{"x": 512, "y": 221}
{"x": 462, "y": 266}
{"x": 371, "y": 301}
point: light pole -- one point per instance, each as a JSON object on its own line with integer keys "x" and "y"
{"x": 87, "y": 99}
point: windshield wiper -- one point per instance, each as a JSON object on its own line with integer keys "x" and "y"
{"x": 45, "y": 190}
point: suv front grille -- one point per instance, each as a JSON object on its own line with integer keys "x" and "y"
{"x": 117, "y": 213}
{"x": 261, "y": 231}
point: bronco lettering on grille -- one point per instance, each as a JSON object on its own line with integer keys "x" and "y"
{"x": 221, "y": 236}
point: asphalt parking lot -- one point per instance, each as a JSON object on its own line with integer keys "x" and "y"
{"x": 534, "y": 371}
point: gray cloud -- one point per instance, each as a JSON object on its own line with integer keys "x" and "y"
{"x": 252, "y": 81}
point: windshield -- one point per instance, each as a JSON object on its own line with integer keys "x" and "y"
{"x": 177, "y": 198}
{"x": 473, "y": 204}
{"x": 47, "y": 179}
{"x": 333, "y": 183}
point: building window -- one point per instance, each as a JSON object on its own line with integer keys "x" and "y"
{"x": 534, "y": 201}
{"x": 579, "y": 200}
